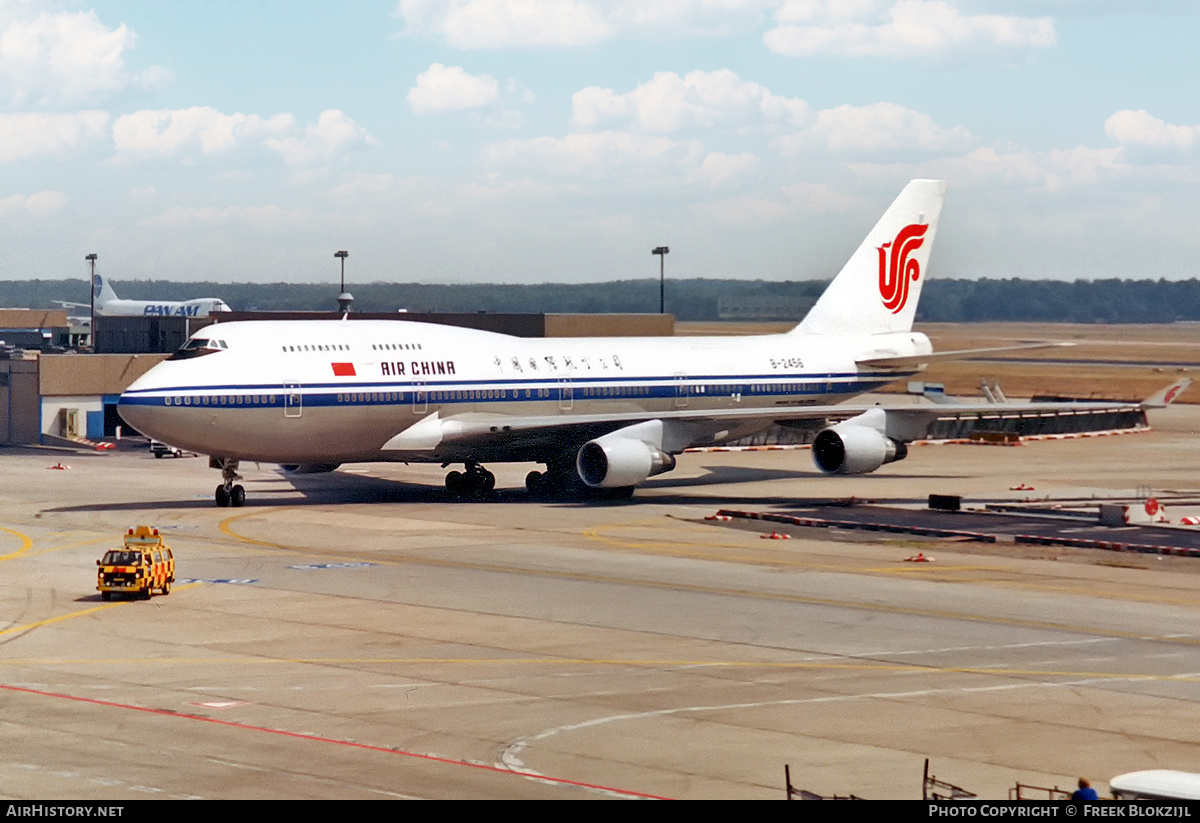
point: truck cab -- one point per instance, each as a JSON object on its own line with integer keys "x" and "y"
{"x": 144, "y": 564}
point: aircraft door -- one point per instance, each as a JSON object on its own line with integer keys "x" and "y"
{"x": 566, "y": 393}
{"x": 420, "y": 398}
{"x": 293, "y": 400}
{"x": 682, "y": 391}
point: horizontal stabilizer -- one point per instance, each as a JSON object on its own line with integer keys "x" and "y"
{"x": 907, "y": 361}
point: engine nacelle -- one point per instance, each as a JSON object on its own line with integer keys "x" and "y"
{"x": 848, "y": 448}
{"x": 617, "y": 461}
{"x": 309, "y": 468}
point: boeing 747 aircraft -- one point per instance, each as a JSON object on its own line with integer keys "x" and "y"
{"x": 602, "y": 414}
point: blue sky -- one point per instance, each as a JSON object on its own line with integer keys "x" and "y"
{"x": 449, "y": 141}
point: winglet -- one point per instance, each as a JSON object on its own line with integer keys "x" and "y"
{"x": 1165, "y": 397}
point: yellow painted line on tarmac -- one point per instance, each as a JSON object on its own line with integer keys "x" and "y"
{"x": 228, "y": 529}
{"x": 930, "y": 571}
{"x": 677, "y": 548}
{"x": 82, "y": 613}
{"x": 76, "y": 545}
{"x": 927, "y": 568}
{"x": 686, "y": 587}
{"x": 26, "y": 544}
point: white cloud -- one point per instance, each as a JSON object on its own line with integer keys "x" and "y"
{"x": 1055, "y": 170}
{"x": 442, "y": 89}
{"x": 820, "y": 198}
{"x": 669, "y": 103}
{"x": 39, "y": 205}
{"x": 332, "y": 134}
{"x": 182, "y": 133}
{"x": 256, "y": 217}
{"x": 489, "y": 24}
{"x": 175, "y": 132}
{"x": 904, "y": 28}
{"x": 603, "y": 156}
{"x": 494, "y": 24}
{"x": 25, "y": 136}
{"x": 874, "y": 129}
{"x": 63, "y": 57}
{"x": 1140, "y": 128}
{"x": 724, "y": 171}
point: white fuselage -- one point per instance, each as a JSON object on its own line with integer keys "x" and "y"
{"x": 200, "y": 307}
{"x": 347, "y": 391}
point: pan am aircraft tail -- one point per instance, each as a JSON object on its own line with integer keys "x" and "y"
{"x": 601, "y": 414}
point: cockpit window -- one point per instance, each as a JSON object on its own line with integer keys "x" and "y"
{"x": 198, "y": 347}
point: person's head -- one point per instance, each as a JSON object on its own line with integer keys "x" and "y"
{"x": 1083, "y": 783}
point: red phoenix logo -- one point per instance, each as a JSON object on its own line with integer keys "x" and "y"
{"x": 897, "y": 271}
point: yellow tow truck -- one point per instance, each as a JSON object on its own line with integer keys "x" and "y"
{"x": 145, "y": 564}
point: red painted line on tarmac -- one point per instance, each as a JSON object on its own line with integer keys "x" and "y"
{"x": 316, "y": 738}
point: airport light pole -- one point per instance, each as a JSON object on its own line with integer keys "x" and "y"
{"x": 343, "y": 255}
{"x": 91, "y": 258}
{"x": 662, "y": 252}
{"x": 344, "y": 298}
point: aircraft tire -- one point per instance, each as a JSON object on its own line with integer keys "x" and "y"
{"x": 535, "y": 483}
{"x": 454, "y": 482}
{"x": 237, "y": 496}
{"x": 222, "y": 496}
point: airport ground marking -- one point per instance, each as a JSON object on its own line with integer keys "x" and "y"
{"x": 1077, "y": 677}
{"x": 26, "y": 543}
{"x": 594, "y": 533}
{"x": 930, "y": 573}
{"x": 313, "y": 738}
{"x": 520, "y": 744}
{"x": 685, "y": 587}
{"x": 24, "y": 627}
{"x": 224, "y": 526}
{"x": 75, "y": 545}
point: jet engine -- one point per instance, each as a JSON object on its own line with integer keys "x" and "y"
{"x": 617, "y": 460}
{"x": 850, "y": 448}
{"x": 309, "y": 468}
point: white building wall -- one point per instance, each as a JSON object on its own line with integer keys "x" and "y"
{"x": 54, "y": 413}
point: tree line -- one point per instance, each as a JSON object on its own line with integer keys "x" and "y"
{"x": 964, "y": 301}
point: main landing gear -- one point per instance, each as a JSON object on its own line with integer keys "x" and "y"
{"x": 228, "y": 494}
{"x": 476, "y": 481}
{"x": 560, "y": 481}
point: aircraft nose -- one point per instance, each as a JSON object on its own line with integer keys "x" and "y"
{"x": 135, "y": 413}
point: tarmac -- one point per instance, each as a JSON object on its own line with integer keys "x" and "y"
{"x": 361, "y": 634}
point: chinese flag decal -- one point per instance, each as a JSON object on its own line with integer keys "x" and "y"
{"x": 344, "y": 370}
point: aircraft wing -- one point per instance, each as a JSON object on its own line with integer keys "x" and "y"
{"x": 481, "y": 435}
{"x": 511, "y": 435}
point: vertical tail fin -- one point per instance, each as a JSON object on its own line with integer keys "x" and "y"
{"x": 102, "y": 292}
{"x": 876, "y": 292}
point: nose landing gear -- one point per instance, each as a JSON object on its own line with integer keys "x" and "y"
{"x": 228, "y": 494}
